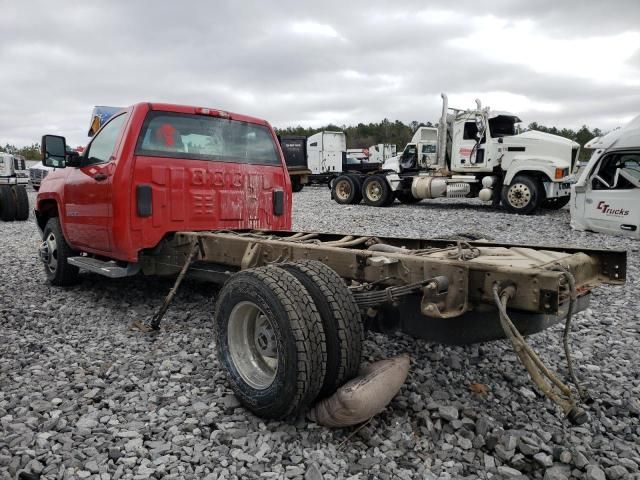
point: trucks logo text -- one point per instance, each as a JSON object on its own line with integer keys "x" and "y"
{"x": 607, "y": 210}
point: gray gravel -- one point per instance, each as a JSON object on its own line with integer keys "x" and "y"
{"x": 81, "y": 396}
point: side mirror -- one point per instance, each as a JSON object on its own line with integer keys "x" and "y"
{"x": 54, "y": 151}
{"x": 480, "y": 125}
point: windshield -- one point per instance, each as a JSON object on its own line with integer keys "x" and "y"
{"x": 502, "y": 126}
{"x": 200, "y": 137}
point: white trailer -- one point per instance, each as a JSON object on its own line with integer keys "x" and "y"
{"x": 382, "y": 151}
{"x": 14, "y": 201}
{"x": 606, "y": 197}
{"x": 326, "y": 152}
{"x": 472, "y": 153}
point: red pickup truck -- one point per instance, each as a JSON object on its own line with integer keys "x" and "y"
{"x": 177, "y": 190}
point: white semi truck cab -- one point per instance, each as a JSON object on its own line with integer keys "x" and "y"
{"x": 606, "y": 196}
{"x": 474, "y": 153}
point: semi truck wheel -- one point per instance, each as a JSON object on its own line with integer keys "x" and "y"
{"x": 555, "y": 203}
{"x": 54, "y": 253}
{"x": 7, "y": 204}
{"x": 296, "y": 184}
{"x": 341, "y": 319}
{"x": 407, "y": 198}
{"x": 270, "y": 341}
{"x": 376, "y": 191}
{"x": 22, "y": 202}
{"x": 345, "y": 190}
{"x": 523, "y": 196}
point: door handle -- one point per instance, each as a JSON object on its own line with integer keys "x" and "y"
{"x": 100, "y": 177}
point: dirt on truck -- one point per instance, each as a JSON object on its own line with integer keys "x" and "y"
{"x": 173, "y": 190}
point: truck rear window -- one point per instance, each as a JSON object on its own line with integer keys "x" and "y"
{"x": 199, "y": 137}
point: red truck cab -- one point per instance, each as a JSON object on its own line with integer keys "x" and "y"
{"x": 154, "y": 169}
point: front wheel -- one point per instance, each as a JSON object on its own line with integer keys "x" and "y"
{"x": 54, "y": 253}
{"x": 270, "y": 341}
{"x": 555, "y": 203}
{"x": 376, "y": 191}
{"x": 407, "y": 197}
{"x": 524, "y": 195}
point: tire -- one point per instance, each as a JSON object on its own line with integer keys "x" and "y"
{"x": 376, "y": 191}
{"x": 407, "y": 198}
{"x": 287, "y": 330}
{"x": 22, "y": 202}
{"x": 296, "y": 184}
{"x": 555, "y": 203}
{"x": 341, "y": 319}
{"x": 54, "y": 253}
{"x": 524, "y": 195}
{"x": 7, "y": 204}
{"x": 346, "y": 190}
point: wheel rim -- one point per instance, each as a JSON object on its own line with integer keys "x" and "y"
{"x": 343, "y": 190}
{"x": 374, "y": 190}
{"x": 519, "y": 195}
{"x": 49, "y": 253}
{"x": 252, "y": 345}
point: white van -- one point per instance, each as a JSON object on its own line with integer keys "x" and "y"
{"x": 606, "y": 197}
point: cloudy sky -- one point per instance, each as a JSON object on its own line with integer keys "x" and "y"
{"x": 309, "y": 63}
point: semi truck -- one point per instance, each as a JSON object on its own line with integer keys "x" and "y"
{"x": 475, "y": 153}
{"x": 606, "y": 196}
{"x": 175, "y": 190}
{"x": 14, "y": 201}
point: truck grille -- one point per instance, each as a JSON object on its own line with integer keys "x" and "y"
{"x": 37, "y": 175}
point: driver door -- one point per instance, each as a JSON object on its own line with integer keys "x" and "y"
{"x": 612, "y": 203}
{"x": 88, "y": 191}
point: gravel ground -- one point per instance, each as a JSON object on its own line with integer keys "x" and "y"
{"x": 81, "y": 396}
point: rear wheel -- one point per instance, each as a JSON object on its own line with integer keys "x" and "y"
{"x": 22, "y": 202}
{"x": 555, "y": 203}
{"x": 523, "y": 195}
{"x": 7, "y": 204}
{"x": 296, "y": 184}
{"x": 376, "y": 191}
{"x": 341, "y": 320}
{"x": 54, "y": 253}
{"x": 270, "y": 341}
{"x": 345, "y": 190}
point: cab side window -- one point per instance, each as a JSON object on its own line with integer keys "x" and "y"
{"x": 102, "y": 147}
{"x": 619, "y": 171}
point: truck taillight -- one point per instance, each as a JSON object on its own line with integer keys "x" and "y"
{"x": 212, "y": 112}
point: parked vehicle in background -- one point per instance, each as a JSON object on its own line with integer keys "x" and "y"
{"x": 37, "y": 173}
{"x": 359, "y": 153}
{"x": 472, "y": 153}
{"x": 14, "y": 201}
{"x": 381, "y": 152}
{"x": 294, "y": 149}
{"x": 606, "y": 196}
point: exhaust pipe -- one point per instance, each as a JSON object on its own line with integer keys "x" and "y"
{"x": 442, "y": 132}
{"x": 479, "y": 104}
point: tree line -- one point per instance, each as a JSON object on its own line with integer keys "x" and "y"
{"x": 364, "y": 135}
{"x": 399, "y": 133}
{"x": 31, "y": 152}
